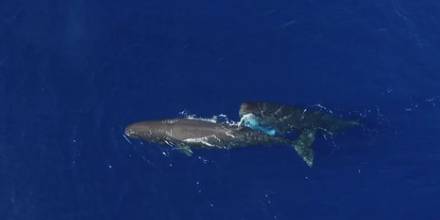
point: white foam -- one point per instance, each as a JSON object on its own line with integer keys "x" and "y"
{"x": 220, "y": 118}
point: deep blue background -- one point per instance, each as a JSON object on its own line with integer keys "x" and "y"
{"x": 74, "y": 73}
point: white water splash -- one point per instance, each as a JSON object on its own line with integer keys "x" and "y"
{"x": 220, "y": 118}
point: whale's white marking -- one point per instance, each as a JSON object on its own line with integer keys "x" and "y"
{"x": 218, "y": 139}
{"x": 202, "y": 140}
{"x": 228, "y": 133}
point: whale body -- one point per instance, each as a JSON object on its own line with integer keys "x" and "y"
{"x": 261, "y": 123}
{"x": 186, "y": 134}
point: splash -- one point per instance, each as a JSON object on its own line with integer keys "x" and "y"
{"x": 220, "y": 118}
{"x": 250, "y": 121}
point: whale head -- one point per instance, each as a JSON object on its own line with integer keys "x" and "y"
{"x": 152, "y": 131}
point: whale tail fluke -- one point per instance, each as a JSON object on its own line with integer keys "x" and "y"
{"x": 303, "y": 146}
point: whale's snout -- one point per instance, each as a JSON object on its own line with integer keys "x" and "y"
{"x": 144, "y": 130}
{"x": 129, "y": 132}
{"x": 136, "y": 130}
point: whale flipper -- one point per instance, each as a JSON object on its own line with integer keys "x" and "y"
{"x": 303, "y": 145}
{"x": 185, "y": 149}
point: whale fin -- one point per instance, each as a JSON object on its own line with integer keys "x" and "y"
{"x": 303, "y": 146}
{"x": 185, "y": 149}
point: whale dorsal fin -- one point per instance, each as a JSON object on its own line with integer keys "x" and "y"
{"x": 303, "y": 145}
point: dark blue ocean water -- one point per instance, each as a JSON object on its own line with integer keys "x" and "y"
{"x": 73, "y": 74}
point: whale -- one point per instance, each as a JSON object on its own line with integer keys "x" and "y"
{"x": 185, "y": 135}
{"x": 260, "y": 124}
{"x": 281, "y": 119}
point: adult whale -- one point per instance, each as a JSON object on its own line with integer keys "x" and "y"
{"x": 184, "y": 134}
{"x": 261, "y": 123}
{"x": 281, "y": 120}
